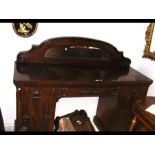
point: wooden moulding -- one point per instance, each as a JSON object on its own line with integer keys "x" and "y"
{"x": 63, "y": 51}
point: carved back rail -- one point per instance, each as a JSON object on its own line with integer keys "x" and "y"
{"x": 74, "y": 51}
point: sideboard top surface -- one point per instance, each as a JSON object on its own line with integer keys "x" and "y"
{"x": 39, "y": 74}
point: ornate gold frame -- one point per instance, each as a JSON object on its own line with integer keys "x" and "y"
{"x": 148, "y": 38}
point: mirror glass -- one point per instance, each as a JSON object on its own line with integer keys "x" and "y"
{"x": 72, "y": 52}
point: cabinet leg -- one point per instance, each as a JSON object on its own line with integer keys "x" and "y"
{"x": 106, "y": 111}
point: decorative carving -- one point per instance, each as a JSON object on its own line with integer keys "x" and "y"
{"x": 148, "y": 38}
{"x": 75, "y": 51}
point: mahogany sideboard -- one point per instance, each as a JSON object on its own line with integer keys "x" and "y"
{"x": 76, "y": 67}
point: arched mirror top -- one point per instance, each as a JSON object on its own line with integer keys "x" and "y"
{"x": 74, "y": 51}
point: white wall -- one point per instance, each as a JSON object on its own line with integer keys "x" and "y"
{"x": 127, "y": 37}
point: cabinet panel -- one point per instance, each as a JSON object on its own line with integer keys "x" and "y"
{"x": 37, "y": 109}
{"x": 128, "y": 96}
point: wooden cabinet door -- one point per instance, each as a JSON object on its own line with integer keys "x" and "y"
{"x": 36, "y": 108}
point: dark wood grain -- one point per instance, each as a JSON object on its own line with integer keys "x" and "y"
{"x": 75, "y": 51}
{"x": 43, "y": 78}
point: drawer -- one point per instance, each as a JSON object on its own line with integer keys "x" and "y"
{"x": 78, "y": 92}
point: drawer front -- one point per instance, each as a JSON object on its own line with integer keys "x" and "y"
{"x": 79, "y": 92}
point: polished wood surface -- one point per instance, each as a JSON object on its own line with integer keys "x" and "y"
{"x": 74, "y": 51}
{"x": 45, "y": 74}
{"x": 69, "y": 75}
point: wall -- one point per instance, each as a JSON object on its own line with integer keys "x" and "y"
{"x": 127, "y": 37}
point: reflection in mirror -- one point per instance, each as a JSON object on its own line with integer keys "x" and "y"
{"x": 149, "y": 51}
{"x": 77, "y": 52}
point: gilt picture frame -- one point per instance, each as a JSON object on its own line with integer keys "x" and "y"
{"x": 25, "y": 29}
{"x": 148, "y": 38}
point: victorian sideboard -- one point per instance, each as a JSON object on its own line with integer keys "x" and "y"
{"x": 76, "y": 67}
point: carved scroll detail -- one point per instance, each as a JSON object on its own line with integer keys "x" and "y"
{"x": 80, "y": 53}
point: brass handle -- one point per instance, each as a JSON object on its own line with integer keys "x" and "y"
{"x": 36, "y": 95}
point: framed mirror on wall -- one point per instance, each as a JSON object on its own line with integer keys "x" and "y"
{"x": 149, "y": 50}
